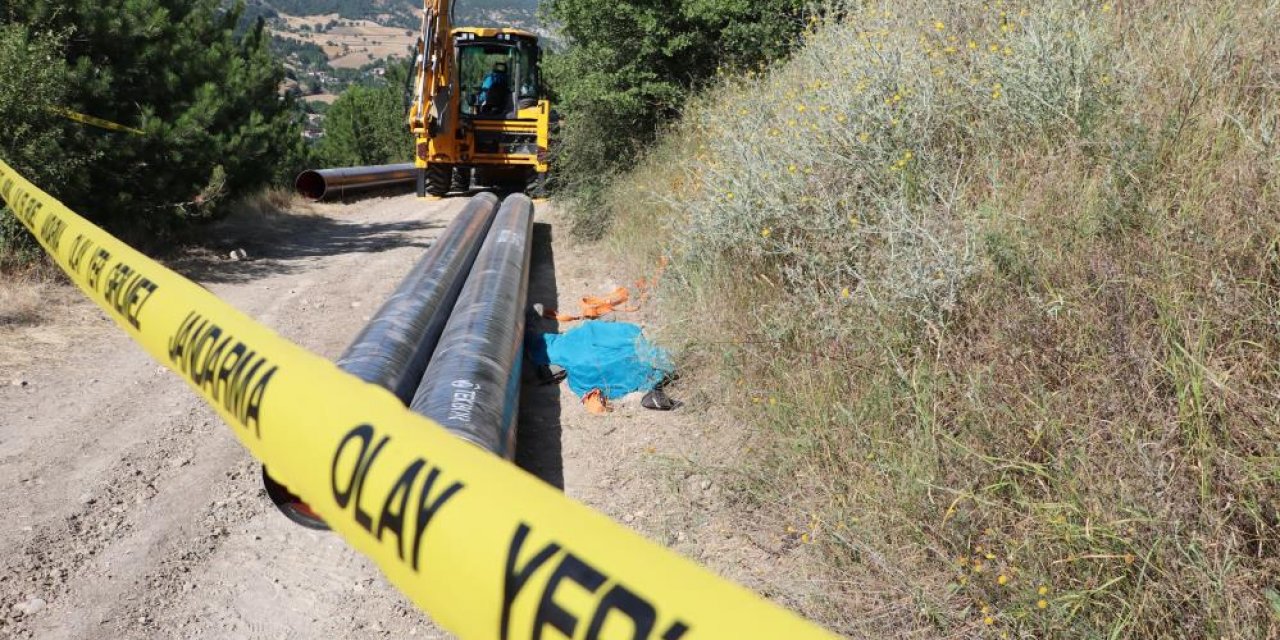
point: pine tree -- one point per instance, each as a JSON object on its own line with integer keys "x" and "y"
{"x": 207, "y": 101}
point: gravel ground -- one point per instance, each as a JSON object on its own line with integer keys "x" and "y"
{"x": 130, "y": 511}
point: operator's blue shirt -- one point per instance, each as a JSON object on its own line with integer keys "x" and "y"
{"x": 492, "y": 80}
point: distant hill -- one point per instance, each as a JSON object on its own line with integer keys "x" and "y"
{"x": 406, "y": 13}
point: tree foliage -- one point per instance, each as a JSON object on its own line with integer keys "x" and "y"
{"x": 631, "y": 64}
{"x": 207, "y": 101}
{"x": 33, "y": 138}
{"x": 366, "y": 125}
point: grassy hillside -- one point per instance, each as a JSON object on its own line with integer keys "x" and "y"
{"x": 996, "y": 291}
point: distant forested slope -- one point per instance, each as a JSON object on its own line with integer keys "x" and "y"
{"x": 404, "y": 13}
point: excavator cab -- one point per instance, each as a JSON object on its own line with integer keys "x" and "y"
{"x": 499, "y": 77}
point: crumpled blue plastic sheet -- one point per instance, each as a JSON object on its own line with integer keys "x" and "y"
{"x": 613, "y": 357}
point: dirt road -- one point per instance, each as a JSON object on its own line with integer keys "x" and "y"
{"x": 131, "y": 511}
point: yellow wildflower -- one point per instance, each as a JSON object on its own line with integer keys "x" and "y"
{"x": 1002, "y": 580}
{"x": 765, "y": 233}
{"x": 1042, "y": 603}
{"x": 938, "y": 25}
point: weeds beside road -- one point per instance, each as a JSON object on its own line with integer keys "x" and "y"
{"x": 996, "y": 290}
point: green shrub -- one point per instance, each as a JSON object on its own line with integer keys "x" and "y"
{"x": 33, "y": 140}
{"x": 630, "y": 67}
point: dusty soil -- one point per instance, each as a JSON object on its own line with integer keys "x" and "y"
{"x": 131, "y": 511}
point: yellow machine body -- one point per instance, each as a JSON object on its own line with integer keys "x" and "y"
{"x": 501, "y": 135}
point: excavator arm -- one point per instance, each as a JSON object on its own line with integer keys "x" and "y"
{"x": 433, "y": 66}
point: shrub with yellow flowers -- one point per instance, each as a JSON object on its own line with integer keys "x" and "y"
{"x": 1008, "y": 272}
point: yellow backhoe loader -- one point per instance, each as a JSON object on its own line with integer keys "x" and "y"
{"x": 477, "y": 108}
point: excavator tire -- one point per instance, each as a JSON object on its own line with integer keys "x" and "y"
{"x": 439, "y": 179}
{"x": 462, "y": 179}
{"x": 535, "y": 185}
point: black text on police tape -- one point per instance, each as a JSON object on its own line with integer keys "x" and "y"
{"x": 395, "y": 516}
{"x": 23, "y": 204}
{"x": 613, "y": 606}
{"x": 227, "y": 370}
{"x": 123, "y": 288}
{"x": 51, "y": 232}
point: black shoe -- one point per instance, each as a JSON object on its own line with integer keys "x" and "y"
{"x": 657, "y": 400}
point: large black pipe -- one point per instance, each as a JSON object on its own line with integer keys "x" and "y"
{"x": 335, "y": 183}
{"x": 392, "y": 351}
{"x": 472, "y": 385}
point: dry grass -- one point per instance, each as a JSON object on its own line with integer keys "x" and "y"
{"x": 21, "y": 300}
{"x": 265, "y": 211}
{"x": 997, "y": 290}
{"x": 41, "y": 315}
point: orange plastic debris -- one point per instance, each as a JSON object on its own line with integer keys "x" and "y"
{"x": 596, "y": 307}
{"x": 596, "y": 403}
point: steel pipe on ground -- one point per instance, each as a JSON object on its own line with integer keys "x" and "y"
{"x": 334, "y": 183}
{"x": 393, "y": 350}
{"x": 472, "y": 385}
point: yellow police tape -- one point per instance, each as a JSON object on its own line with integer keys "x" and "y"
{"x": 96, "y": 122}
{"x": 486, "y": 549}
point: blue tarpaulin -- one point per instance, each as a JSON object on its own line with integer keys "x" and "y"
{"x": 613, "y": 357}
